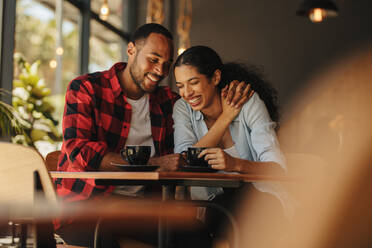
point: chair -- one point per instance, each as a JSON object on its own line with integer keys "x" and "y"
{"x": 22, "y": 172}
{"x": 17, "y": 166}
{"x": 51, "y": 160}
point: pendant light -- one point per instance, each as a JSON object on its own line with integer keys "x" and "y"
{"x": 317, "y": 10}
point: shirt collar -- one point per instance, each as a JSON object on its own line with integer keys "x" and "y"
{"x": 116, "y": 86}
{"x": 198, "y": 115}
{"x": 113, "y": 77}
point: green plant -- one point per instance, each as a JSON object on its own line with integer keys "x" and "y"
{"x": 31, "y": 100}
{"x": 11, "y": 123}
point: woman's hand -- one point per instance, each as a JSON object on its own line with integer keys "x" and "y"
{"x": 233, "y": 97}
{"x": 220, "y": 160}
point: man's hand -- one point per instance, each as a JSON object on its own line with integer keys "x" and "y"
{"x": 109, "y": 158}
{"x": 237, "y": 93}
{"x": 169, "y": 162}
{"x": 233, "y": 97}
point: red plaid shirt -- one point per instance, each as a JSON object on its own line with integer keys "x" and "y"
{"x": 96, "y": 121}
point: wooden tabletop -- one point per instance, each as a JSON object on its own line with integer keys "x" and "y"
{"x": 106, "y": 175}
{"x": 171, "y": 175}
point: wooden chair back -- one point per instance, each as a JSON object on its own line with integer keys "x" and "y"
{"x": 18, "y": 165}
{"x": 51, "y": 160}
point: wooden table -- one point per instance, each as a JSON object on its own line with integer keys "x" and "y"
{"x": 169, "y": 179}
{"x": 174, "y": 177}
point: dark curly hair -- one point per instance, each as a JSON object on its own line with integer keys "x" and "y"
{"x": 207, "y": 61}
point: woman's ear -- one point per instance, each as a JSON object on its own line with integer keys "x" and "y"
{"x": 216, "y": 77}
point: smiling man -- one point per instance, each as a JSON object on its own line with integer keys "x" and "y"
{"x": 108, "y": 110}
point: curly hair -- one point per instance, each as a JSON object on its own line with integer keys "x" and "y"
{"x": 252, "y": 75}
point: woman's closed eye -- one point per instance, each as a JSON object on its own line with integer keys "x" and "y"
{"x": 153, "y": 60}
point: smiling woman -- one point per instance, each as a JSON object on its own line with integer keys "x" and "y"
{"x": 201, "y": 78}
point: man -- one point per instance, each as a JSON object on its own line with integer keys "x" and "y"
{"x": 107, "y": 110}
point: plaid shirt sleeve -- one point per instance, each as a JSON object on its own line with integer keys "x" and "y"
{"x": 83, "y": 150}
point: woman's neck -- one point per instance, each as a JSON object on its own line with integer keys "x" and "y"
{"x": 214, "y": 110}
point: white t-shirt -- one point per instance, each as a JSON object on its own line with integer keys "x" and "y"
{"x": 139, "y": 134}
{"x": 140, "y": 124}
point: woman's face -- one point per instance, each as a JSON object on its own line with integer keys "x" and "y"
{"x": 198, "y": 91}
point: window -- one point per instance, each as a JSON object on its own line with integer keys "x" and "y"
{"x": 105, "y": 47}
{"x": 36, "y": 36}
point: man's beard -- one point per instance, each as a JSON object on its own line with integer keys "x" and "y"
{"x": 136, "y": 79}
{"x": 140, "y": 81}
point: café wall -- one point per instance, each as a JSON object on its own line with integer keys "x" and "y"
{"x": 268, "y": 33}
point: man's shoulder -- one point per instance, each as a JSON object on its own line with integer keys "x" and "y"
{"x": 98, "y": 80}
{"x": 165, "y": 98}
{"x": 164, "y": 93}
{"x": 87, "y": 79}
{"x": 90, "y": 82}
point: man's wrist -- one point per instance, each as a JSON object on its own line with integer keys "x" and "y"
{"x": 152, "y": 161}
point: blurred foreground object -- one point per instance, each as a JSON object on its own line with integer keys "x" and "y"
{"x": 331, "y": 121}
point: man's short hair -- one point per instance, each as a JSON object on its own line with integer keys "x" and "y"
{"x": 145, "y": 30}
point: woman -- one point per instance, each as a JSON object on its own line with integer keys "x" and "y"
{"x": 245, "y": 136}
{"x": 242, "y": 137}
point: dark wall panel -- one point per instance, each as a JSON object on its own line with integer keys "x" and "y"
{"x": 268, "y": 33}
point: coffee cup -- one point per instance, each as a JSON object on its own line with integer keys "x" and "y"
{"x": 192, "y": 157}
{"x": 136, "y": 155}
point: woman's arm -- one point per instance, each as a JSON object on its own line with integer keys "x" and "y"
{"x": 234, "y": 92}
{"x": 184, "y": 134}
{"x": 263, "y": 143}
{"x": 220, "y": 160}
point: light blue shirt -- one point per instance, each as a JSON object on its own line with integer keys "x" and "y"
{"x": 252, "y": 131}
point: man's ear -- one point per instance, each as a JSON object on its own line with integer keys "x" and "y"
{"x": 131, "y": 49}
{"x": 216, "y": 77}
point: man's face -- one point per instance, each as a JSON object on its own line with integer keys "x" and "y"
{"x": 150, "y": 60}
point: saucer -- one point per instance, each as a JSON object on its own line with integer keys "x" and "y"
{"x": 196, "y": 169}
{"x": 136, "y": 168}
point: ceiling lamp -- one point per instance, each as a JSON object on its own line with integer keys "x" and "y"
{"x": 104, "y": 11}
{"x": 317, "y": 10}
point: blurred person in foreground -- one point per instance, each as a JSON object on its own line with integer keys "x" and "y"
{"x": 240, "y": 138}
{"x": 107, "y": 110}
{"x": 335, "y": 204}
